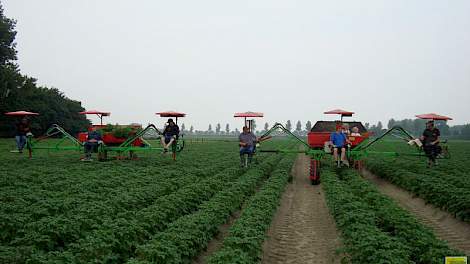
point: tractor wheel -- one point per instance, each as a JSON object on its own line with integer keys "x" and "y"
{"x": 102, "y": 156}
{"x": 315, "y": 172}
{"x": 445, "y": 152}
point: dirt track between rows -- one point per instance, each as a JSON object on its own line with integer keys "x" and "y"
{"x": 302, "y": 231}
{"x": 444, "y": 225}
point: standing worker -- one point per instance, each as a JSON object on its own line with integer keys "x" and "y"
{"x": 430, "y": 140}
{"x": 22, "y": 130}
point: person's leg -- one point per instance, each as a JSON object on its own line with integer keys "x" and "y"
{"x": 251, "y": 150}
{"x": 343, "y": 154}
{"x": 88, "y": 148}
{"x": 242, "y": 156}
{"x": 18, "y": 142}
{"x": 428, "y": 151}
{"x": 22, "y": 143}
{"x": 170, "y": 142}
{"x": 335, "y": 153}
{"x": 434, "y": 153}
{"x": 162, "y": 140}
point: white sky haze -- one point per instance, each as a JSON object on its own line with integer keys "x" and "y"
{"x": 289, "y": 59}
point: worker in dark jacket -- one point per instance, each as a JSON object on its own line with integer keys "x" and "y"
{"x": 22, "y": 130}
{"x": 430, "y": 140}
{"x": 170, "y": 134}
{"x": 92, "y": 142}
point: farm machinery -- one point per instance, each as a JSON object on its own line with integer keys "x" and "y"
{"x": 123, "y": 140}
{"x": 359, "y": 147}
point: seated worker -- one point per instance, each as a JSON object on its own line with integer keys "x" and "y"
{"x": 170, "y": 134}
{"x": 355, "y": 132}
{"x": 247, "y": 145}
{"x": 339, "y": 140}
{"x": 91, "y": 145}
{"x": 430, "y": 140}
{"x": 22, "y": 130}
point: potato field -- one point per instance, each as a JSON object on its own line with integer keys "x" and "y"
{"x": 205, "y": 208}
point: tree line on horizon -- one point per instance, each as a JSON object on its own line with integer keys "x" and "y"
{"x": 414, "y": 126}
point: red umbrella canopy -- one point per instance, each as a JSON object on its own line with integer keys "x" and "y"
{"x": 339, "y": 112}
{"x": 95, "y": 112}
{"x": 171, "y": 114}
{"x": 21, "y": 113}
{"x": 248, "y": 114}
{"x": 433, "y": 116}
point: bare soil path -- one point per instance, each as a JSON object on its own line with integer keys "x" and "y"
{"x": 302, "y": 231}
{"x": 444, "y": 225}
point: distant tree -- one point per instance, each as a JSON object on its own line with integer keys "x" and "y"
{"x": 191, "y": 129}
{"x": 298, "y": 127}
{"x": 367, "y": 126}
{"x": 237, "y": 132}
{"x": 391, "y": 123}
{"x": 289, "y": 125}
{"x": 465, "y": 132}
{"x": 308, "y": 126}
{"x": 183, "y": 127}
{"x": 227, "y": 129}
{"x": 7, "y": 38}
{"x": 266, "y": 126}
{"x": 210, "y": 128}
{"x": 253, "y": 125}
{"x": 217, "y": 128}
{"x": 379, "y": 126}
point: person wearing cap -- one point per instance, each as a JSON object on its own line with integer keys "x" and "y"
{"x": 22, "y": 129}
{"x": 339, "y": 141}
{"x": 430, "y": 140}
{"x": 170, "y": 134}
{"x": 247, "y": 141}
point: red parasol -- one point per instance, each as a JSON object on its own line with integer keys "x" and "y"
{"x": 249, "y": 123}
{"x": 248, "y": 114}
{"x": 433, "y": 116}
{"x": 21, "y": 113}
{"x": 171, "y": 114}
{"x": 339, "y": 112}
{"x": 100, "y": 114}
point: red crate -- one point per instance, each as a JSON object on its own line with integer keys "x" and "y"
{"x": 110, "y": 139}
{"x": 318, "y": 139}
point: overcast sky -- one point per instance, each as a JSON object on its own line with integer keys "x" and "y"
{"x": 288, "y": 59}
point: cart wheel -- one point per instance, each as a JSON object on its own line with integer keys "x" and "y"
{"x": 315, "y": 171}
{"x": 445, "y": 152}
{"x": 179, "y": 145}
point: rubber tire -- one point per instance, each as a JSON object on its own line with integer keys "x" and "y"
{"x": 315, "y": 182}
